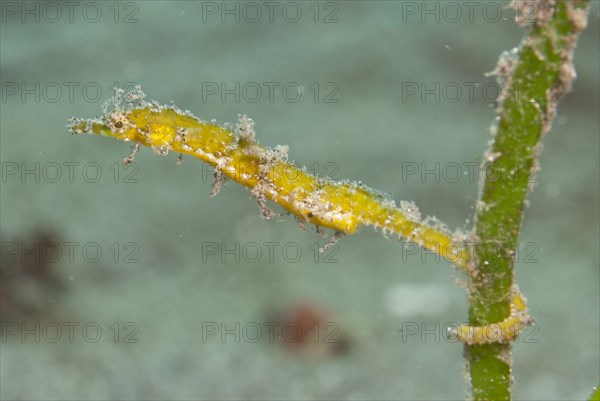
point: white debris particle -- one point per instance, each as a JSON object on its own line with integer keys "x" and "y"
{"x": 504, "y": 68}
{"x": 160, "y": 150}
{"x": 494, "y": 129}
{"x": 280, "y": 153}
{"x": 258, "y": 192}
{"x": 206, "y": 155}
{"x": 388, "y": 203}
{"x": 129, "y": 159}
{"x": 334, "y": 239}
{"x": 436, "y": 223}
{"x": 219, "y": 180}
{"x": 255, "y": 151}
{"x": 136, "y": 98}
{"x": 482, "y": 206}
{"x": 491, "y": 157}
{"x": 245, "y": 128}
{"x": 410, "y": 210}
{"x": 578, "y": 17}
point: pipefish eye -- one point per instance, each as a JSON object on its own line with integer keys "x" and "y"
{"x": 119, "y": 124}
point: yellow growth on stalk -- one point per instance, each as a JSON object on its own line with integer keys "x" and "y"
{"x": 342, "y": 206}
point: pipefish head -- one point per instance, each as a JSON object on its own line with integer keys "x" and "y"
{"x": 153, "y": 126}
{"x": 115, "y": 125}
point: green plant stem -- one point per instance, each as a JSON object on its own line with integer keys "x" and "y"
{"x": 534, "y": 78}
{"x": 596, "y": 394}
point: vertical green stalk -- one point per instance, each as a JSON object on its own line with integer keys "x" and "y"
{"x": 534, "y": 78}
{"x": 596, "y": 394}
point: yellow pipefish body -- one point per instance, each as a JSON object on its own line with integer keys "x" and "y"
{"x": 342, "y": 206}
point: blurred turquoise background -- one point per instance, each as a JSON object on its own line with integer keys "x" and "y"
{"x": 156, "y": 226}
